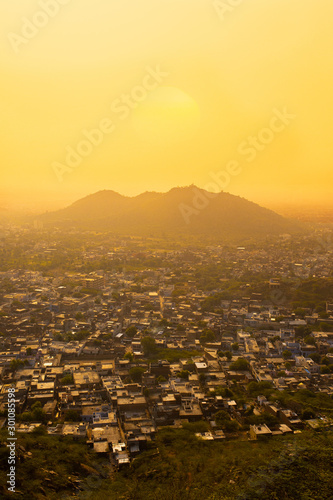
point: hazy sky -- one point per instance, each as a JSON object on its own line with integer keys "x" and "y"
{"x": 179, "y": 88}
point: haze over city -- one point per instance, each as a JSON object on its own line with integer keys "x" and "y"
{"x": 221, "y": 75}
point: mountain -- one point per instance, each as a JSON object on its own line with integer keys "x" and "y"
{"x": 181, "y": 211}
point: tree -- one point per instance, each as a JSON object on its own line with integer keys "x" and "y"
{"x": 240, "y": 365}
{"x": 149, "y": 345}
{"x": 26, "y": 416}
{"x": 270, "y": 420}
{"x": 221, "y": 417}
{"x": 129, "y": 356}
{"x": 207, "y": 336}
{"x": 183, "y": 374}
{"x": 226, "y": 354}
{"x": 36, "y": 405}
{"x": 308, "y": 414}
{"x": 131, "y": 331}
{"x": 325, "y": 327}
{"x": 227, "y": 393}
{"x": 235, "y": 346}
{"x": 15, "y": 364}
{"x": 136, "y": 373}
{"x": 199, "y": 426}
{"x": 231, "y": 426}
{"x": 264, "y": 418}
{"x": 257, "y": 388}
{"x": 37, "y": 414}
{"x": 302, "y": 331}
{"x": 39, "y": 431}
{"x": 315, "y": 356}
{"x": 67, "y": 380}
{"x": 81, "y": 335}
{"x": 310, "y": 340}
{"x": 72, "y": 416}
{"x": 286, "y": 354}
{"x": 299, "y": 311}
{"x": 210, "y": 335}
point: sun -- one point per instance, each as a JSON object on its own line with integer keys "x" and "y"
{"x": 167, "y": 115}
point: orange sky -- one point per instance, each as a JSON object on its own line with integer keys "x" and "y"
{"x": 148, "y": 95}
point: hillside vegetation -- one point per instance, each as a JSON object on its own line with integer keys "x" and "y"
{"x": 177, "y": 466}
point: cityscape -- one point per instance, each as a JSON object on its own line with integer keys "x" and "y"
{"x": 166, "y": 250}
{"x": 110, "y": 340}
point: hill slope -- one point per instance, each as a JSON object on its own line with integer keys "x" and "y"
{"x": 188, "y": 210}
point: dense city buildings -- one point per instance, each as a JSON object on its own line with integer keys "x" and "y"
{"x": 108, "y": 341}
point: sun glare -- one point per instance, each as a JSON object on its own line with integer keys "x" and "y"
{"x": 168, "y": 114}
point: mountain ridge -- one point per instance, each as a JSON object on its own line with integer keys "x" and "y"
{"x": 188, "y": 210}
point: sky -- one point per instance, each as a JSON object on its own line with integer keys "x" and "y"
{"x": 146, "y": 95}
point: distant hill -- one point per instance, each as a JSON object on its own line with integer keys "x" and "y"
{"x": 187, "y": 211}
